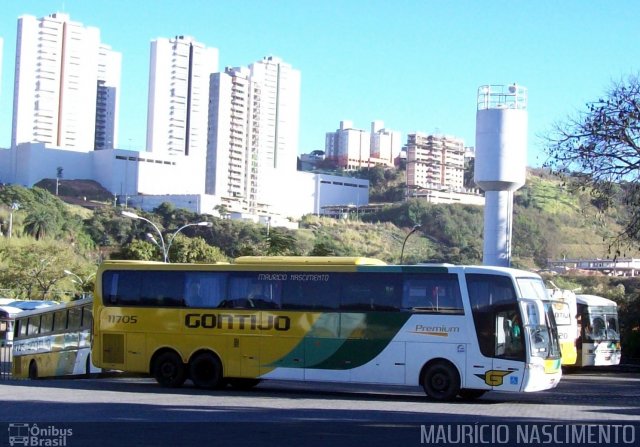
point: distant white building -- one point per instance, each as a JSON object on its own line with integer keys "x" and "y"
{"x": 434, "y": 160}
{"x": 178, "y": 105}
{"x": 253, "y": 134}
{"x": 146, "y": 180}
{"x": 435, "y": 169}
{"x": 58, "y": 70}
{"x": 385, "y": 144}
{"x": 352, "y": 148}
{"x": 610, "y": 267}
{"x": 66, "y": 105}
{"x": 122, "y": 172}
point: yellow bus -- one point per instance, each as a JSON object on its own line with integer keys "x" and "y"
{"x": 53, "y": 341}
{"x": 565, "y": 310}
{"x": 454, "y": 330}
{"x": 588, "y": 329}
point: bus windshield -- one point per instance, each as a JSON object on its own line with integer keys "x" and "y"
{"x": 532, "y": 288}
{"x": 604, "y": 325}
{"x": 541, "y": 329}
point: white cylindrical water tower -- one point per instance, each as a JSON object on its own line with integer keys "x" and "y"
{"x": 500, "y": 164}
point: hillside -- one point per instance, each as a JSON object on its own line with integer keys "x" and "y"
{"x": 549, "y": 222}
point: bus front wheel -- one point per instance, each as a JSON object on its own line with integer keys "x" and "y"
{"x": 168, "y": 370}
{"x": 206, "y": 370}
{"x": 441, "y": 381}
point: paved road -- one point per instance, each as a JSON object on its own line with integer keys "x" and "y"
{"x": 136, "y": 411}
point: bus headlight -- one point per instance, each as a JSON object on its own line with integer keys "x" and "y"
{"x": 535, "y": 367}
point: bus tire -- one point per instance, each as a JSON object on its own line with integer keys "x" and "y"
{"x": 205, "y": 370}
{"x": 441, "y": 381}
{"x": 33, "y": 370}
{"x": 471, "y": 394}
{"x": 168, "y": 370}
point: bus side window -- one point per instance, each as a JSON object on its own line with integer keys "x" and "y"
{"x": 60, "y": 320}
{"x": 161, "y": 288}
{"x": 251, "y": 291}
{"x": 311, "y": 295}
{"x": 204, "y": 289}
{"x": 34, "y": 325}
{"x": 370, "y": 292}
{"x": 46, "y": 324}
{"x": 21, "y": 329}
{"x": 432, "y": 293}
{"x": 75, "y": 318}
{"x": 87, "y": 317}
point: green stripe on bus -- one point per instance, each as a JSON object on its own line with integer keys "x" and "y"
{"x": 356, "y": 345}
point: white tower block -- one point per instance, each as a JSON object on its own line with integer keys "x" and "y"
{"x": 500, "y": 164}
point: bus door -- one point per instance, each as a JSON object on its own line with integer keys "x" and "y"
{"x": 136, "y": 359}
{"x": 507, "y": 371}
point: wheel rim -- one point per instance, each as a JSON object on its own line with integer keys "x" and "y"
{"x": 440, "y": 382}
{"x": 168, "y": 370}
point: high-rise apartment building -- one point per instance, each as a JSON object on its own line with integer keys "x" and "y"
{"x": 57, "y": 79}
{"x": 177, "y": 116}
{"x": 352, "y": 148}
{"x": 385, "y": 144}
{"x": 253, "y": 133}
{"x": 348, "y": 147}
{"x": 434, "y": 161}
{"x": 107, "y": 107}
{"x": 234, "y": 119}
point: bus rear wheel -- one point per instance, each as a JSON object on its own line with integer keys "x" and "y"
{"x": 168, "y": 370}
{"x": 206, "y": 370}
{"x": 441, "y": 381}
{"x": 33, "y": 370}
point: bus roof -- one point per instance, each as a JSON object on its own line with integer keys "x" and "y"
{"x": 308, "y": 260}
{"x": 53, "y": 308}
{"x": 9, "y": 311}
{"x": 593, "y": 300}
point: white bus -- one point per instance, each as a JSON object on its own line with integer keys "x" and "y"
{"x": 53, "y": 341}
{"x": 599, "y": 341}
{"x": 454, "y": 330}
{"x": 9, "y": 308}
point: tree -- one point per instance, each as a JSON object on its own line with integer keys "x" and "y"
{"x": 196, "y": 249}
{"x": 33, "y": 269}
{"x": 40, "y": 222}
{"x": 141, "y": 250}
{"x": 281, "y": 242}
{"x": 601, "y": 150}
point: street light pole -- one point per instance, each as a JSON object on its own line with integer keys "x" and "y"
{"x": 165, "y": 247}
{"x": 14, "y": 207}
{"x": 413, "y": 230}
{"x": 78, "y": 280}
{"x": 175, "y": 233}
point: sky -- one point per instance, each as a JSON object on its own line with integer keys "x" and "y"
{"x": 414, "y": 64}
